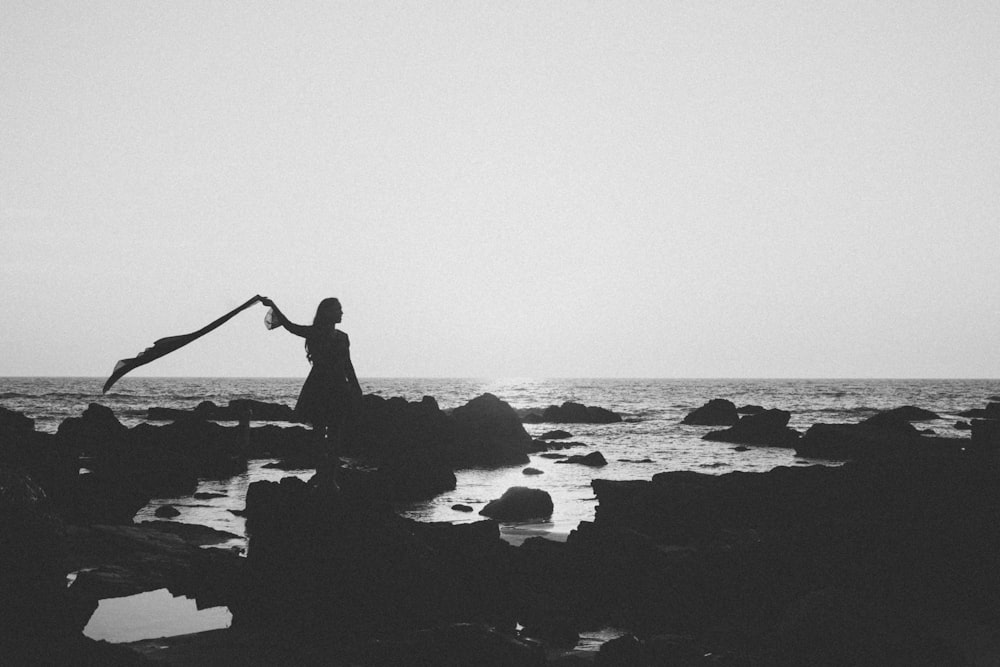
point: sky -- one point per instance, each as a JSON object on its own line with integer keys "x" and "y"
{"x": 504, "y": 189}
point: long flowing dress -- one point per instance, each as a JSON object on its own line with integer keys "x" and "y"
{"x": 325, "y": 399}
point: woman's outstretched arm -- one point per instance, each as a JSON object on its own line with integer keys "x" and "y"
{"x": 297, "y": 329}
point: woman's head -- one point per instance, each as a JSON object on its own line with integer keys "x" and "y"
{"x": 328, "y": 312}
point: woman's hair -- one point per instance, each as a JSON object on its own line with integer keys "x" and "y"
{"x": 323, "y": 311}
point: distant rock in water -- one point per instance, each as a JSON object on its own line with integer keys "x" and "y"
{"x": 767, "y": 428}
{"x": 717, "y": 412}
{"x": 907, "y": 413}
{"x": 236, "y": 410}
{"x": 532, "y": 471}
{"x": 882, "y": 436}
{"x": 992, "y": 411}
{"x": 459, "y": 507}
{"x": 555, "y": 435}
{"x": 573, "y": 413}
{"x": 166, "y": 512}
{"x": 750, "y": 409}
{"x": 963, "y": 426}
{"x": 594, "y": 459}
{"x": 519, "y": 503}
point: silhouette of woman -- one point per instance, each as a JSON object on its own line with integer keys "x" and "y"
{"x": 331, "y": 390}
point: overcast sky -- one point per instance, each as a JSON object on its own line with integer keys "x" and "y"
{"x": 497, "y": 189}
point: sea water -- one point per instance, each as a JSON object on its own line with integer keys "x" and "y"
{"x": 649, "y": 440}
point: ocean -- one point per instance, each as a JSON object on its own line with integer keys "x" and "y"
{"x": 651, "y": 439}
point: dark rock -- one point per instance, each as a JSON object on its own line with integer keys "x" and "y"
{"x": 577, "y": 413}
{"x": 237, "y": 410}
{"x": 963, "y": 426}
{"x": 769, "y": 428}
{"x": 717, "y": 412}
{"x": 593, "y": 459}
{"x": 323, "y": 558}
{"x": 624, "y": 651}
{"x": 203, "y": 495}
{"x": 741, "y": 448}
{"x": 992, "y": 411}
{"x": 14, "y": 424}
{"x": 910, "y": 413}
{"x": 555, "y": 435}
{"x": 192, "y": 533}
{"x": 166, "y": 512}
{"x": 551, "y": 455}
{"x": 837, "y": 627}
{"x": 674, "y": 650}
{"x": 554, "y": 631}
{"x": 459, "y": 645}
{"x": 749, "y": 409}
{"x": 493, "y": 429}
{"x": 985, "y": 435}
{"x": 531, "y": 471}
{"x": 646, "y": 460}
{"x": 461, "y": 508}
{"x": 519, "y": 503}
{"x": 97, "y": 432}
{"x": 881, "y": 435}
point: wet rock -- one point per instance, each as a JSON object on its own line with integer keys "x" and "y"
{"x": 204, "y": 495}
{"x": 749, "y": 409}
{"x": 963, "y": 426}
{"x": 166, "y": 512}
{"x": 717, "y": 412}
{"x": 992, "y": 411}
{"x": 531, "y": 471}
{"x": 236, "y": 410}
{"x": 881, "y": 435}
{"x": 323, "y": 558}
{"x": 459, "y": 645}
{"x": 593, "y": 459}
{"x": 624, "y": 651}
{"x": 552, "y": 455}
{"x": 910, "y": 413}
{"x": 519, "y": 503}
{"x": 571, "y": 412}
{"x": 558, "y": 434}
{"x": 493, "y": 431}
{"x": 985, "y": 435}
{"x": 768, "y": 428}
{"x": 837, "y": 627}
{"x": 461, "y": 508}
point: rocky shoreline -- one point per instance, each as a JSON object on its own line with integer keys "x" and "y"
{"x": 887, "y": 559}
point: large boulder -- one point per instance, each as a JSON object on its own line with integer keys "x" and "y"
{"x": 717, "y": 412}
{"x": 491, "y": 433}
{"x": 519, "y": 503}
{"x": 767, "y": 428}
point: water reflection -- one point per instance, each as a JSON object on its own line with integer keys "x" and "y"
{"x": 152, "y": 615}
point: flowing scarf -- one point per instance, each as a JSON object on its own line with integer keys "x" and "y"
{"x": 167, "y": 345}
